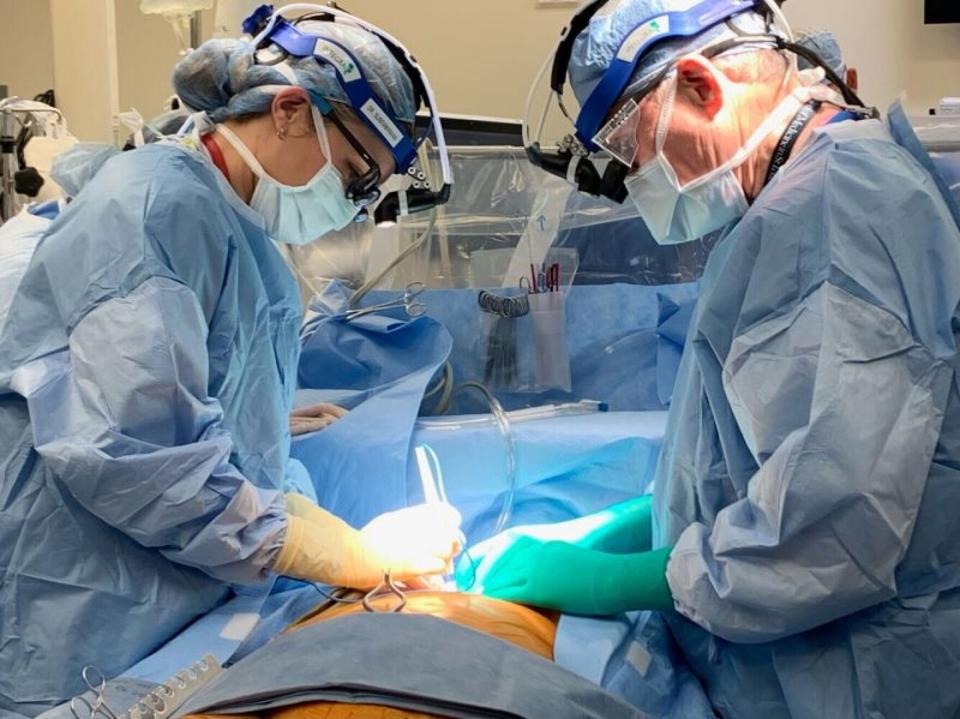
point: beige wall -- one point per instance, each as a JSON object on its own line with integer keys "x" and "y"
{"x": 891, "y": 47}
{"x": 487, "y": 53}
{"x": 85, "y": 65}
{"x": 147, "y": 50}
{"x": 934, "y": 68}
{"x": 496, "y": 80}
{"x": 26, "y": 48}
{"x": 481, "y": 56}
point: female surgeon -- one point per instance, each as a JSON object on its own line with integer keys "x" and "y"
{"x": 147, "y": 369}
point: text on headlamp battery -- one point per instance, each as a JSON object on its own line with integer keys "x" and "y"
{"x": 642, "y": 35}
{"x": 391, "y": 133}
{"x": 338, "y": 58}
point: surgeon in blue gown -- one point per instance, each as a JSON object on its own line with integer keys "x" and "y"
{"x": 147, "y": 370}
{"x": 805, "y": 553}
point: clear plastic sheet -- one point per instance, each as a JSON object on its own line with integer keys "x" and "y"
{"x": 502, "y": 202}
{"x": 601, "y": 342}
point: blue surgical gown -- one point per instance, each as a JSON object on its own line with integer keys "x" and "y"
{"x": 147, "y": 369}
{"x": 810, "y": 479}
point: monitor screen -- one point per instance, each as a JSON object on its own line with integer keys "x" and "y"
{"x": 942, "y": 11}
{"x": 478, "y": 131}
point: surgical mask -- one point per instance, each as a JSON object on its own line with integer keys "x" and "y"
{"x": 297, "y": 215}
{"x": 676, "y": 213}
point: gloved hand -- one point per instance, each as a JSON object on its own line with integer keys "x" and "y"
{"x": 409, "y": 543}
{"x": 474, "y": 565}
{"x": 622, "y": 528}
{"x": 561, "y": 576}
{"x": 314, "y": 418}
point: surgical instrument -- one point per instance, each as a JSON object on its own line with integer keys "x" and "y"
{"x": 92, "y": 710}
{"x": 96, "y": 683}
{"x": 546, "y": 279}
{"x": 407, "y": 301}
{"x": 163, "y": 701}
{"x": 507, "y": 307}
{"x": 159, "y": 703}
{"x": 500, "y": 357}
{"x": 388, "y": 584}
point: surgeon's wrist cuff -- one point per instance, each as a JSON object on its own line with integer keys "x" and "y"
{"x": 290, "y": 550}
{"x": 660, "y": 595}
{"x": 645, "y": 580}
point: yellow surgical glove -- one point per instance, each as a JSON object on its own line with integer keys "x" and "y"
{"x": 409, "y": 543}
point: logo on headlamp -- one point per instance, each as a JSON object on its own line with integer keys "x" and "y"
{"x": 642, "y": 35}
{"x": 338, "y": 58}
{"x": 384, "y": 124}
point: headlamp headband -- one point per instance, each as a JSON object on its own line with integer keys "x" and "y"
{"x": 269, "y": 27}
{"x": 665, "y": 26}
{"x": 571, "y": 161}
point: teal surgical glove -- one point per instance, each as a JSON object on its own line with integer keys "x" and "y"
{"x": 623, "y": 528}
{"x": 562, "y": 576}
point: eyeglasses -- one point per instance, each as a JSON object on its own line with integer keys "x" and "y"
{"x": 363, "y": 190}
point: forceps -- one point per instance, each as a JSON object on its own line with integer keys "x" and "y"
{"x": 99, "y": 706}
{"x": 386, "y": 586}
{"x": 408, "y": 301}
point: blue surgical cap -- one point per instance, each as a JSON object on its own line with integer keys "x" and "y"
{"x": 826, "y": 46}
{"x": 221, "y": 78}
{"x": 596, "y": 46}
{"x": 74, "y": 168}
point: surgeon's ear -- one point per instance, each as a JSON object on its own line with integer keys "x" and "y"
{"x": 288, "y": 105}
{"x": 699, "y": 85}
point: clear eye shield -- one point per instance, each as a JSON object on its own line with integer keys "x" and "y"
{"x": 597, "y": 156}
{"x": 276, "y": 39}
{"x": 618, "y": 138}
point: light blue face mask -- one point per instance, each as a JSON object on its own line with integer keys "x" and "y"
{"x": 298, "y": 215}
{"x": 675, "y": 212}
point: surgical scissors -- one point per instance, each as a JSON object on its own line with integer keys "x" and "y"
{"x": 99, "y": 706}
{"x": 408, "y": 301}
